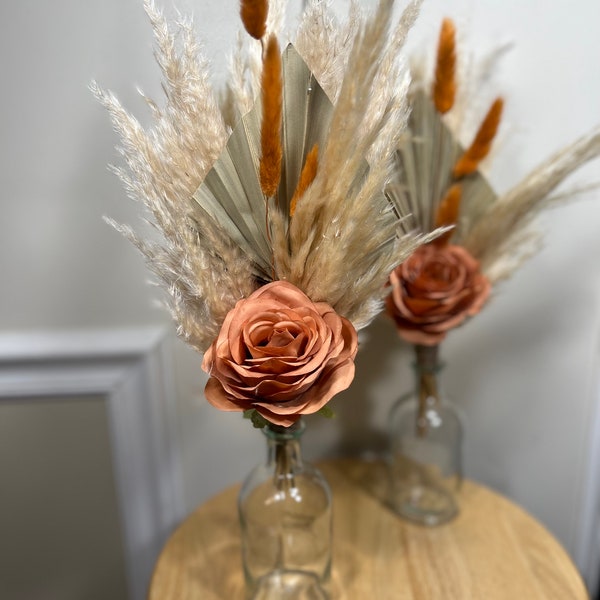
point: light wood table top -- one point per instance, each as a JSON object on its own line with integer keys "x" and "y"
{"x": 493, "y": 550}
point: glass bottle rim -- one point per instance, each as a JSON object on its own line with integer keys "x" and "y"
{"x": 427, "y": 359}
{"x": 428, "y": 368}
{"x": 280, "y": 432}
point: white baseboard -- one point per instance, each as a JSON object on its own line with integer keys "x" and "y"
{"x": 132, "y": 370}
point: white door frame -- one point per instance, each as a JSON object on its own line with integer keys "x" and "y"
{"x": 132, "y": 370}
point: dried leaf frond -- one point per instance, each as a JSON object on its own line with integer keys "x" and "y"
{"x": 444, "y": 87}
{"x": 254, "y": 17}
{"x": 309, "y": 172}
{"x": 447, "y": 212}
{"x": 481, "y": 145}
{"x": 272, "y": 102}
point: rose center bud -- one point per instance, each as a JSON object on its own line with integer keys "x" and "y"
{"x": 440, "y": 271}
{"x": 280, "y": 338}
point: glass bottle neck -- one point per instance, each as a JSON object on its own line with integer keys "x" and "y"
{"x": 283, "y": 448}
{"x": 427, "y": 360}
{"x": 426, "y": 366}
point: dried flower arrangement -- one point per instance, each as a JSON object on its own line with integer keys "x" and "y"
{"x": 277, "y": 236}
{"x": 440, "y": 183}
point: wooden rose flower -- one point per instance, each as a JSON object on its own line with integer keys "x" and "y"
{"x": 435, "y": 290}
{"x": 280, "y": 354}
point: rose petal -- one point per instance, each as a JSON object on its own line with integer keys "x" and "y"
{"x": 331, "y": 383}
{"x": 218, "y": 397}
{"x": 283, "y": 420}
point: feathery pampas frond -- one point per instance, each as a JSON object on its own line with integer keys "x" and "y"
{"x": 392, "y": 82}
{"x": 504, "y": 226}
{"x": 326, "y": 225}
{"x": 325, "y": 44}
{"x": 330, "y": 249}
{"x": 165, "y": 165}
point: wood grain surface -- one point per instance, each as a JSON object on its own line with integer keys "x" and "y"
{"x": 492, "y": 551}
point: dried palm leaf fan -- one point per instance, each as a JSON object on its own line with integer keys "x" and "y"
{"x": 235, "y": 195}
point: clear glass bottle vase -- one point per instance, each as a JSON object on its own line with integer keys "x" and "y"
{"x": 426, "y": 447}
{"x": 286, "y": 523}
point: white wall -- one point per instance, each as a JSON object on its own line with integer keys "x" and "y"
{"x": 60, "y": 529}
{"x": 524, "y": 371}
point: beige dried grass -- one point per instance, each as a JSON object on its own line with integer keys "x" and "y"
{"x": 202, "y": 272}
{"x": 344, "y": 237}
{"x": 502, "y": 238}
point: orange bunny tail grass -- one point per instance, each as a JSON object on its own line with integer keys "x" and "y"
{"x": 482, "y": 143}
{"x": 254, "y": 16}
{"x": 309, "y": 172}
{"x": 447, "y": 213}
{"x": 272, "y": 99}
{"x": 444, "y": 86}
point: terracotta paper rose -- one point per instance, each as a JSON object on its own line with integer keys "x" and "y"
{"x": 436, "y": 289}
{"x": 281, "y": 354}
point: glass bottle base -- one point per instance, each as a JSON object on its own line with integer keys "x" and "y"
{"x": 425, "y": 505}
{"x": 289, "y": 585}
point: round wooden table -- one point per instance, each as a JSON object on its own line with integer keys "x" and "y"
{"x": 492, "y": 551}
